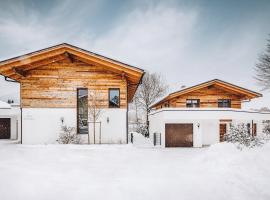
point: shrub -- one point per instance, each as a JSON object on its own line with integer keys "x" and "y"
{"x": 142, "y": 129}
{"x": 68, "y": 136}
{"x": 242, "y": 137}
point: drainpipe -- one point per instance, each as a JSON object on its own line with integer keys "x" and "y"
{"x": 10, "y": 80}
{"x": 21, "y": 125}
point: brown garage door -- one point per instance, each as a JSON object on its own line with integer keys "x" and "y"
{"x": 179, "y": 135}
{"x": 4, "y": 128}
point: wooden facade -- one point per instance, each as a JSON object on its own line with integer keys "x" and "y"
{"x": 208, "y": 94}
{"x": 50, "y": 77}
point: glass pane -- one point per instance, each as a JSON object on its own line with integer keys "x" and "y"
{"x": 114, "y": 101}
{"x": 82, "y": 111}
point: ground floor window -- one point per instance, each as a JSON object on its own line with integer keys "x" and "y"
{"x": 82, "y": 110}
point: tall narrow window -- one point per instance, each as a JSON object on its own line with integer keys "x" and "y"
{"x": 193, "y": 103}
{"x": 224, "y": 103}
{"x": 114, "y": 98}
{"x": 82, "y": 110}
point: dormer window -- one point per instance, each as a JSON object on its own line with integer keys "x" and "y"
{"x": 193, "y": 103}
{"x": 224, "y": 103}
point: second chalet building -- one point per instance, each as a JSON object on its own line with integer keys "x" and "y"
{"x": 202, "y": 114}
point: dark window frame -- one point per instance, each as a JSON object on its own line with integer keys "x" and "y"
{"x": 77, "y": 114}
{"x": 109, "y": 98}
{"x": 222, "y": 104}
{"x": 190, "y": 105}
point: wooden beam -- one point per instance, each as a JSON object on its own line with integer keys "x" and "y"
{"x": 19, "y": 71}
{"x": 69, "y": 56}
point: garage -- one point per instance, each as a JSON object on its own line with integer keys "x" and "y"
{"x": 4, "y": 128}
{"x": 179, "y": 135}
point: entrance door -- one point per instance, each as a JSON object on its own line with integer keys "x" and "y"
{"x": 4, "y": 128}
{"x": 222, "y": 132}
{"x": 179, "y": 135}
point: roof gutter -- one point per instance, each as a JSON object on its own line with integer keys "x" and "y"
{"x": 10, "y": 80}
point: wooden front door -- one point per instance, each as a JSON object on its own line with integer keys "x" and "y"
{"x": 222, "y": 131}
{"x": 178, "y": 135}
{"x": 4, "y": 128}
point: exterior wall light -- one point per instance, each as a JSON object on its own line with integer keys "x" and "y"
{"x": 108, "y": 119}
{"x": 62, "y": 120}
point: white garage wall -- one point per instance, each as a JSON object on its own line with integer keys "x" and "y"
{"x": 43, "y": 125}
{"x": 205, "y": 122}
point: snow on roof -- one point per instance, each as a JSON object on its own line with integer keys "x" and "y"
{"x": 4, "y": 105}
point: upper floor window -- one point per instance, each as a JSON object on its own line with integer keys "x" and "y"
{"x": 193, "y": 103}
{"x": 224, "y": 103}
{"x": 114, "y": 98}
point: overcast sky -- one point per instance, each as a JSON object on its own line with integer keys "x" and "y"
{"x": 187, "y": 41}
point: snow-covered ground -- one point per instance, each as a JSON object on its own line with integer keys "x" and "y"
{"x": 81, "y": 172}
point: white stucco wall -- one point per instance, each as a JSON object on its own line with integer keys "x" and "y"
{"x": 205, "y": 122}
{"x": 43, "y": 125}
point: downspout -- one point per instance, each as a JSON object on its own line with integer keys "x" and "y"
{"x": 127, "y": 116}
{"x": 21, "y": 125}
{"x": 10, "y": 80}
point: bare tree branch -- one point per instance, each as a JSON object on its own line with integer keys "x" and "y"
{"x": 263, "y": 68}
{"x": 152, "y": 88}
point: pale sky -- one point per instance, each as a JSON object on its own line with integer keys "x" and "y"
{"x": 187, "y": 41}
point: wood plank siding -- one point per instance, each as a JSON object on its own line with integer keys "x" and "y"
{"x": 50, "y": 77}
{"x": 55, "y": 85}
{"x": 208, "y": 98}
{"x": 208, "y": 95}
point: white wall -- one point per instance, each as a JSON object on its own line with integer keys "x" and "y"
{"x": 205, "y": 122}
{"x": 43, "y": 125}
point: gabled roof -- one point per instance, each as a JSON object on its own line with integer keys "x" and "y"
{"x": 246, "y": 93}
{"x": 17, "y": 67}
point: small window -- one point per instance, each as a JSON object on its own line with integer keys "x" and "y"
{"x": 114, "y": 98}
{"x": 224, "y": 103}
{"x": 193, "y": 103}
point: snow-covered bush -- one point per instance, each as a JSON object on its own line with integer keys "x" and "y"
{"x": 266, "y": 127}
{"x": 68, "y": 136}
{"x": 142, "y": 129}
{"x": 240, "y": 135}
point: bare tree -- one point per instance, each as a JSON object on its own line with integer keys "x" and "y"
{"x": 263, "y": 68}
{"x": 94, "y": 110}
{"x": 152, "y": 88}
